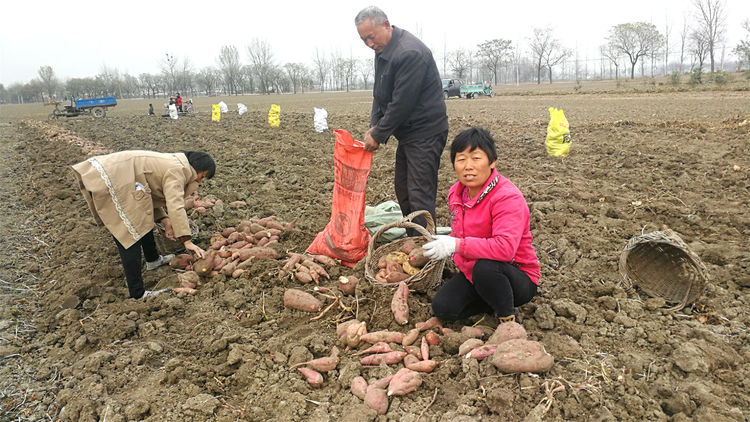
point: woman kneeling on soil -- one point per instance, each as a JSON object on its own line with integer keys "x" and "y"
{"x": 490, "y": 239}
{"x": 128, "y": 191}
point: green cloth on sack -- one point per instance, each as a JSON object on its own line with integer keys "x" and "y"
{"x": 386, "y": 213}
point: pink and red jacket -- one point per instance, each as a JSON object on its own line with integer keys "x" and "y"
{"x": 494, "y": 225}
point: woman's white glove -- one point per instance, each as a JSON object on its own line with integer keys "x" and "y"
{"x": 442, "y": 247}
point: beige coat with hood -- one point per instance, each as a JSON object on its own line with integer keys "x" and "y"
{"x": 128, "y": 191}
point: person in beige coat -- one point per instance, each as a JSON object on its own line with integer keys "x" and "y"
{"x": 128, "y": 191}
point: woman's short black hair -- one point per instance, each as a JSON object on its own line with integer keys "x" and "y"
{"x": 473, "y": 138}
{"x": 201, "y": 161}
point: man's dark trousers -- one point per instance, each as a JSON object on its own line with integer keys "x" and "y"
{"x": 415, "y": 178}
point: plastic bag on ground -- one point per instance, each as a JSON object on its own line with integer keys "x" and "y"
{"x": 558, "y": 133}
{"x": 274, "y": 115}
{"x": 173, "y": 111}
{"x": 241, "y": 109}
{"x": 345, "y": 237}
{"x": 320, "y": 120}
{"x": 223, "y": 107}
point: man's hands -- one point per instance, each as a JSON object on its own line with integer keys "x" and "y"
{"x": 442, "y": 247}
{"x": 195, "y": 249}
{"x": 371, "y": 144}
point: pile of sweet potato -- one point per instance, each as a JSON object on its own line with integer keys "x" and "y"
{"x": 509, "y": 350}
{"x": 233, "y": 249}
{"x": 399, "y": 265}
{"x": 201, "y": 205}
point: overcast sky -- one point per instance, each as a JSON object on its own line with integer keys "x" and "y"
{"x": 78, "y": 38}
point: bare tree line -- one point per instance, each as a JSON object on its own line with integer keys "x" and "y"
{"x": 496, "y": 61}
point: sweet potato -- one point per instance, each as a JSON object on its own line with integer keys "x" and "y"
{"x": 408, "y": 245}
{"x": 341, "y": 328}
{"x": 445, "y": 331}
{"x": 186, "y": 290}
{"x": 400, "y": 304}
{"x": 377, "y": 400}
{"x": 474, "y": 332}
{"x": 386, "y": 336}
{"x": 507, "y": 331}
{"x": 358, "y": 387}
{"x": 424, "y": 348}
{"x": 348, "y": 284}
{"x": 303, "y": 276}
{"x": 431, "y": 323}
{"x": 414, "y": 351}
{"x": 263, "y": 241}
{"x": 417, "y": 258}
{"x": 303, "y": 301}
{"x": 275, "y": 225}
{"x": 325, "y": 364}
{"x": 381, "y": 347}
{"x": 218, "y": 244}
{"x": 228, "y": 269}
{"x": 181, "y": 261}
{"x": 315, "y": 268}
{"x": 518, "y": 355}
{"x": 237, "y": 203}
{"x": 189, "y": 279}
{"x": 481, "y": 352}
{"x": 354, "y": 333}
{"x": 237, "y": 273}
{"x": 380, "y": 277}
{"x": 204, "y": 266}
{"x": 313, "y": 377}
{"x": 410, "y": 337}
{"x": 469, "y": 345}
{"x": 404, "y": 382}
{"x": 325, "y": 260}
{"x": 380, "y": 383}
{"x": 409, "y": 269}
{"x": 229, "y": 230}
{"x": 255, "y": 227}
{"x": 289, "y": 264}
{"x": 397, "y": 257}
{"x": 396, "y": 277}
{"x": 381, "y": 262}
{"x": 432, "y": 338}
{"x": 263, "y": 221}
{"x": 389, "y": 358}
{"x": 235, "y": 237}
{"x": 417, "y": 365}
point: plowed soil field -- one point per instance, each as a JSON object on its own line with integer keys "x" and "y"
{"x": 74, "y": 347}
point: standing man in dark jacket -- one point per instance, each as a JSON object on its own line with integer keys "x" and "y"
{"x": 408, "y": 104}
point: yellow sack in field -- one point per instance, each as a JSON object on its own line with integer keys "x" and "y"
{"x": 215, "y": 113}
{"x": 558, "y": 133}
{"x": 274, "y": 115}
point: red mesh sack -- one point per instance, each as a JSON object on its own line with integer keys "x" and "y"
{"x": 345, "y": 237}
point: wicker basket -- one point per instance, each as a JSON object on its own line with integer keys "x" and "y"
{"x": 166, "y": 246}
{"x": 428, "y": 276}
{"x": 662, "y": 264}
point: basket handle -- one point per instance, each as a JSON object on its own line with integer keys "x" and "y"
{"x": 405, "y": 223}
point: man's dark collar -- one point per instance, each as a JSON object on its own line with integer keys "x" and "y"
{"x": 388, "y": 50}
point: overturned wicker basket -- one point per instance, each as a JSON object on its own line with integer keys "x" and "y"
{"x": 662, "y": 264}
{"x": 166, "y": 246}
{"x": 428, "y": 276}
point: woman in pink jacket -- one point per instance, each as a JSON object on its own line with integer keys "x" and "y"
{"x": 490, "y": 239}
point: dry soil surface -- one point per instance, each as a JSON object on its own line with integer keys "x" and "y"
{"x": 74, "y": 346}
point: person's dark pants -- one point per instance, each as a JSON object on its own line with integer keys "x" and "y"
{"x": 131, "y": 262}
{"x": 498, "y": 288}
{"x": 416, "y": 175}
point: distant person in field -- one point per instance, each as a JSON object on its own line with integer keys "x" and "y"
{"x": 490, "y": 238}
{"x": 129, "y": 191}
{"x": 178, "y": 101}
{"x": 151, "y": 110}
{"x": 408, "y": 104}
